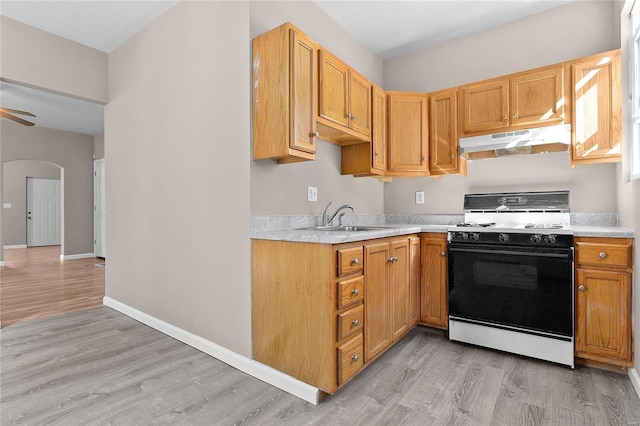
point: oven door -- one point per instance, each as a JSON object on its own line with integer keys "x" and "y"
{"x": 522, "y": 288}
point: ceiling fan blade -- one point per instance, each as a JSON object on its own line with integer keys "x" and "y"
{"x": 16, "y": 111}
{"x": 16, "y": 119}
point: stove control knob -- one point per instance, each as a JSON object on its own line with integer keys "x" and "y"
{"x": 464, "y": 236}
{"x": 503, "y": 238}
{"x": 475, "y": 236}
{"x": 550, "y": 239}
{"x": 536, "y": 239}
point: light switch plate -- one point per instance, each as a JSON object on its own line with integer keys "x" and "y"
{"x": 312, "y": 193}
{"x": 419, "y": 197}
{"x": 6, "y": 205}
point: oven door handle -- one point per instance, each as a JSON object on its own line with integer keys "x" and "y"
{"x": 567, "y": 255}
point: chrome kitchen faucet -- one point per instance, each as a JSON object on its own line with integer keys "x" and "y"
{"x": 327, "y": 218}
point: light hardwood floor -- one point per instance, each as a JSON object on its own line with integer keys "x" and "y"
{"x": 34, "y": 283}
{"x": 101, "y": 367}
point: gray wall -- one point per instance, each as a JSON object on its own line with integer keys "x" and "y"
{"x": 567, "y": 32}
{"x": 282, "y": 189}
{"x": 73, "y": 152}
{"x": 177, "y": 186}
{"x": 14, "y": 222}
{"x": 98, "y": 146}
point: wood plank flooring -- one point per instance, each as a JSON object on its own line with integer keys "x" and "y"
{"x": 34, "y": 283}
{"x": 100, "y": 367}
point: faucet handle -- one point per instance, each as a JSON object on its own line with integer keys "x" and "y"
{"x": 340, "y": 218}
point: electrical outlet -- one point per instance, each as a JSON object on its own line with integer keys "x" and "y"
{"x": 419, "y": 197}
{"x": 312, "y": 193}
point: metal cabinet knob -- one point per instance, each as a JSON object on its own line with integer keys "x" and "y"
{"x": 504, "y": 117}
{"x": 355, "y": 261}
{"x": 316, "y": 133}
{"x": 353, "y": 117}
{"x": 602, "y": 255}
{"x": 442, "y": 253}
{"x": 355, "y": 292}
{"x": 581, "y": 287}
{"x": 515, "y": 115}
{"x": 424, "y": 158}
{"x": 453, "y": 156}
{"x": 355, "y": 357}
{"x": 377, "y": 154}
{"x": 355, "y": 323}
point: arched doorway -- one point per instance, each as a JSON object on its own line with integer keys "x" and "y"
{"x": 17, "y": 218}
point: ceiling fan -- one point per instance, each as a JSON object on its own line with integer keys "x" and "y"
{"x": 9, "y": 113}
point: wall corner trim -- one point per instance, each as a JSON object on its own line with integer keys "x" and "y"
{"x": 15, "y": 246}
{"x": 244, "y": 364}
{"x": 635, "y": 380}
{"x": 76, "y": 256}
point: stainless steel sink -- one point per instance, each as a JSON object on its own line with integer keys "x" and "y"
{"x": 344, "y": 228}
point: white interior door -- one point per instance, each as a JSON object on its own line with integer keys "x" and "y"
{"x": 43, "y": 212}
{"x": 99, "y": 223}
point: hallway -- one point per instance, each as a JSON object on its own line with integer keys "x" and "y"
{"x": 34, "y": 283}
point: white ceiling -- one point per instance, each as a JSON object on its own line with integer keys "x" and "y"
{"x": 388, "y": 28}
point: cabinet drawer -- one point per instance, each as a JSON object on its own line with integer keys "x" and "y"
{"x": 350, "y": 291}
{"x": 350, "y": 321}
{"x": 350, "y": 359}
{"x": 604, "y": 252}
{"x": 349, "y": 261}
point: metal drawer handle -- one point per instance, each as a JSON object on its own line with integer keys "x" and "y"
{"x": 355, "y": 357}
{"x": 602, "y": 255}
{"x": 581, "y": 287}
{"x": 355, "y": 261}
{"x": 355, "y": 292}
{"x": 355, "y": 323}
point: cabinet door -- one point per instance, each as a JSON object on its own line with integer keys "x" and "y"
{"x": 379, "y": 130}
{"x": 603, "y": 312}
{"x": 399, "y": 288}
{"x": 597, "y": 121}
{"x": 443, "y": 132}
{"x": 303, "y": 93}
{"x": 377, "y": 309}
{"x": 414, "y": 281}
{"x": 359, "y": 103}
{"x": 537, "y": 97}
{"x": 408, "y": 133}
{"x": 433, "y": 286}
{"x": 485, "y": 106}
{"x": 333, "y": 89}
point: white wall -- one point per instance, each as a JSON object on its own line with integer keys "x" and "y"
{"x": 177, "y": 182}
{"x": 282, "y": 189}
{"x": 567, "y": 32}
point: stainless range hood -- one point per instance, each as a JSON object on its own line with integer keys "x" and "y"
{"x": 518, "y": 142}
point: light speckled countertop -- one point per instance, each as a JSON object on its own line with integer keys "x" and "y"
{"x": 285, "y": 228}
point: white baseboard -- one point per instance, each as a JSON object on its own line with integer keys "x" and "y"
{"x": 15, "y": 246}
{"x": 244, "y": 364}
{"x": 635, "y": 380}
{"x": 76, "y": 256}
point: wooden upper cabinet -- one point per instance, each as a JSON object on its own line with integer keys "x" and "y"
{"x": 528, "y": 99}
{"x": 408, "y": 141}
{"x": 537, "y": 97}
{"x": 284, "y": 95}
{"x": 597, "y": 109}
{"x": 443, "y": 134}
{"x": 344, "y": 110}
{"x": 379, "y": 130}
{"x": 485, "y": 106}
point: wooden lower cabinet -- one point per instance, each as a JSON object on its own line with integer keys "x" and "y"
{"x": 388, "y": 294}
{"x": 311, "y": 317}
{"x": 603, "y": 300}
{"x": 433, "y": 284}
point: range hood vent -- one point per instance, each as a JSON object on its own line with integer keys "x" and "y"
{"x": 519, "y": 142}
